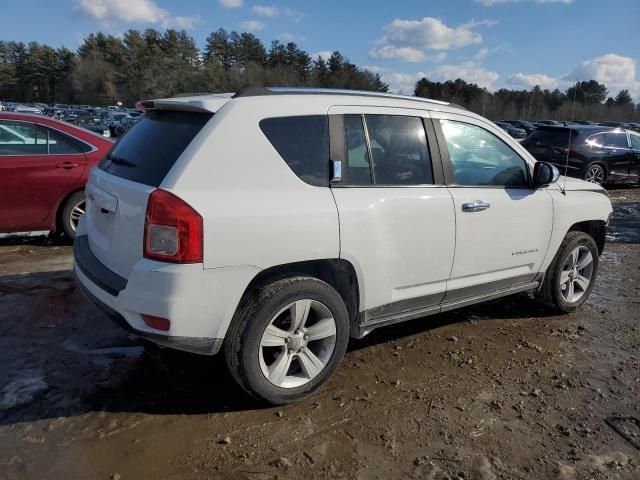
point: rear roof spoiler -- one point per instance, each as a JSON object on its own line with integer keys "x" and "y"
{"x": 194, "y": 103}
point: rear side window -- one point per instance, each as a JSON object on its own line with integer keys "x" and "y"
{"x": 303, "y": 143}
{"x": 615, "y": 140}
{"x": 146, "y": 153}
{"x": 59, "y": 145}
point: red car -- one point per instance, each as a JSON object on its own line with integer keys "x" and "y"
{"x": 44, "y": 165}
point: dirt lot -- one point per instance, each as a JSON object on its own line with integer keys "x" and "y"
{"x": 503, "y": 390}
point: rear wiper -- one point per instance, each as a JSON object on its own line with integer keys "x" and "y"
{"x": 120, "y": 161}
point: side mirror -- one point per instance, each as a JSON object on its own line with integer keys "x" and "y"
{"x": 336, "y": 171}
{"x": 544, "y": 174}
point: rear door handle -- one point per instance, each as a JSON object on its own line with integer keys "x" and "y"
{"x": 475, "y": 206}
{"x": 67, "y": 165}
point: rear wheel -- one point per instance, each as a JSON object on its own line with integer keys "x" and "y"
{"x": 287, "y": 338}
{"x": 571, "y": 275}
{"x": 595, "y": 173}
{"x": 73, "y": 208}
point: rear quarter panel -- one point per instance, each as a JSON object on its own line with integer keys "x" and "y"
{"x": 255, "y": 210}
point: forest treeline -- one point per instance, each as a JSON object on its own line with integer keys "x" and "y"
{"x": 153, "y": 64}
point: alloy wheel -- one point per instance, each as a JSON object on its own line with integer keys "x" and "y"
{"x": 76, "y": 212}
{"x": 595, "y": 174}
{"x": 576, "y": 274}
{"x": 297, "y": 344}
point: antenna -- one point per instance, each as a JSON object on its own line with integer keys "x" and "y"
{"x": 566, "y": 163}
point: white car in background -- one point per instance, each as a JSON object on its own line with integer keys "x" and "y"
{"x": 277, "y": 223}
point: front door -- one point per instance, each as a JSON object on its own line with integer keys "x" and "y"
{"x": 503, "y": 226}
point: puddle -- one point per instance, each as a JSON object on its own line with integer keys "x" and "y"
{"x": 625, "y": 223}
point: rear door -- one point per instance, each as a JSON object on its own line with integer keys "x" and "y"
{"x": 503, "y": 226}
{"x": 397, "y": 224}
{"x": 119, "y": 188}
{"x": 38, "y": 168}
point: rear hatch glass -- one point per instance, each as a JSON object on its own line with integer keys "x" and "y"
{"x": 146, "y": 153}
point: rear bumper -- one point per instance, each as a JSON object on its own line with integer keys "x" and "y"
{"x": 199, "y": 345}
{"x": 199, "y": 302}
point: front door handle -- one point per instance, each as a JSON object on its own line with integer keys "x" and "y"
{"x": 476, "y": 206}
{"x": 67, "y": 165}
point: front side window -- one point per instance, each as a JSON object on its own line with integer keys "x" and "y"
{"x": 480, "y": 158}
{"x": 635, "y": 142}
{"x": 303, "y": 143}
{"x": 399, "y": 150}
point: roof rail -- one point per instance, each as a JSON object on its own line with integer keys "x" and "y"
{"x": 262, "y": 91}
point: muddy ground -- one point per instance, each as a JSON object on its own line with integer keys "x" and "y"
{"x": 503, "y": 390}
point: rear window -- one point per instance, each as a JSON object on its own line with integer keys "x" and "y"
{"x": 146, "y": 153}
{"x": 303, "y": 143}
{"x": 548, "y": 138}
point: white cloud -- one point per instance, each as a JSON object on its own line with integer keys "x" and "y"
{"x": 265, "y": 11}
{"x": 407, "y": 54}
{"x": 324, "y": 54}
{"x": 389, "y": 52}
{"x": 409, "y": 40}
{"x": 610, "y": 69}
{"x": 403, "y": 83}
{"x": 112, "y": 12}
{"x": 289, "y": 37}
{"x": 469, "y": 71}
{"x": 253, "y": 25}
{"x": 615, "y": 71}
{"x": 231, "y": 3}
{"x": 490, "y": 3}
{"x": 273, "y": 11}
{"x": 375, "y": 68}
{"x": 527, "y": 82}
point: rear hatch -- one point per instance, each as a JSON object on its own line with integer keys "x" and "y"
{"x": 549, "y": 144}
{"x": 119, "y": 187}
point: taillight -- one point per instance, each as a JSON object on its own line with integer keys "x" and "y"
{"x": 172, "y": 229}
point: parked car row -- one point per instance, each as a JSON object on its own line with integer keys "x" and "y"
{"x": 108, "y": 121}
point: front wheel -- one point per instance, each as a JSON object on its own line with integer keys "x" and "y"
{"x": 287, "y": 338}
{"x": 571, "y": 275}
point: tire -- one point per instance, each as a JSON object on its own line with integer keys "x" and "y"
{"x": 252, "y": 359}
{"x": 73, "y": 208}
{"x": 564, "y": 297}
{"x": 595, "y": 173}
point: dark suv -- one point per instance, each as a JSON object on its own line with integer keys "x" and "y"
{"x": 594, "y": 153}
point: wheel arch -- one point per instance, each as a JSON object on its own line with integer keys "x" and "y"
{"x": 596, "y": 229}
{"x": 338, "y": 273}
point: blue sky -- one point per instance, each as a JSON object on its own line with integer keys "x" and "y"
{"x": 496, "y": 43}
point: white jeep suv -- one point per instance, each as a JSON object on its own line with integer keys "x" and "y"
{"x": 277, "y": 223}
